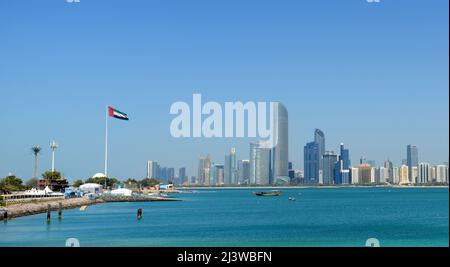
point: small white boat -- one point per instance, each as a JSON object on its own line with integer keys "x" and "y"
{"x": 83, "y": 208}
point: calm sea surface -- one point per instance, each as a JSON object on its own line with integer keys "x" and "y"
{"x": 234, "y": 217}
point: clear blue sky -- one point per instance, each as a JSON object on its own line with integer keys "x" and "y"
{"x": 374, "y": 76}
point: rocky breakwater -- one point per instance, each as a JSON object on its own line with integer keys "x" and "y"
{"x": 29, "y": 208}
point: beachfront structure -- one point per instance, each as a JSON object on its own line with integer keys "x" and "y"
{"x": 32, "y": 195}
{"x": 121, "y": 192}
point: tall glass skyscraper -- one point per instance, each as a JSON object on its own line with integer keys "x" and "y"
{"x": 280, "y": 153}
{"x": 412, "y": 159}
{"x": 244, "y": 171}
{"x": 345, "y": 157}
{"x": 319, "y": 138}
{"x": 311, "y": 163}
{"x": 231, "y": 168}
{"x": 260, "y": 160}
{"x": 329, "y": 160}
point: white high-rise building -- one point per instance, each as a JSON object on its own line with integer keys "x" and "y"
{"x": 259, "y": 163}
{"x": 152, "y": 169}
{"x": 355, "y": 175}
{"x": 395, "y": 176}
{"x": 424, "y": 173}
{"x": 442, "y": 173}
{"x": 372, "y": 175}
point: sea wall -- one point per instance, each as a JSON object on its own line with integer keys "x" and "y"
{"x": 24, "y": 209}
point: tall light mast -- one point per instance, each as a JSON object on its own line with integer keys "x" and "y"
{"x": 53, "y": 147}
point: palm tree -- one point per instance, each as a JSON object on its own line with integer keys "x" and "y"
{"x": 36, "y": 149}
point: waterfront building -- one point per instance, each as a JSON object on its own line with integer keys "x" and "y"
{"x": 244, "y": 171}
{"x": 219, "y": 174}
{"x": 260, "y": 160}
{"x": 403, "y": 174}
{"x": 152, "y": 169}
{"x": 442, "y": 173}
{"x": 345, "y": 157}
{"x": 395, "y": 176}
{"x": 311, "y": 163}
{"x": 354, "y": 174}
{"x": 280, "y": 152}
{"x": 412, "y": 158}
{"x": 390, "y": 170}
{"x": 372, "y": 175}
{"x": 319, "y": 138}
{"x": 200, "y": 175}
{"x": 291, "y": 173}
{"x": 415, "y": 173}
{"x": 364, "y": 174}
{"x": 329, "y": 160}
{"x": 231, "y": 172}
{"x": 424, "y": 173}
{"x": 182, "y": 178}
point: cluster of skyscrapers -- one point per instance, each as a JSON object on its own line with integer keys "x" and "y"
{"x": 165, "y": 174}
{"x": 327, "y": 167}
{"x": 268, "y": 164}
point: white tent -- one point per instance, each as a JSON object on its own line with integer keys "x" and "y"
{"x": 121, "y": 192}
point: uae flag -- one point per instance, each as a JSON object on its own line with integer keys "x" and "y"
{"x": 117, "y": 114}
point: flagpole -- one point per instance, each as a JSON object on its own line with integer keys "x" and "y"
{"x": 106, "y": 146}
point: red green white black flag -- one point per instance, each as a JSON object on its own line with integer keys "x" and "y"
{"x": 112, "y": 112}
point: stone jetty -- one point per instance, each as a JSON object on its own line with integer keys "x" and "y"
{"x": 24, "y": 209}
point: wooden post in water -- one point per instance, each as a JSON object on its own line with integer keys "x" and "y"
{"x": 60, "y": 211}
{"x": 48, "y": 212}
{"x": 139, "y": 213}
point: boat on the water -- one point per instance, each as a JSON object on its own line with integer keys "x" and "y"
{"x": 83, "y": 208}
{"x": 272, "y": 193}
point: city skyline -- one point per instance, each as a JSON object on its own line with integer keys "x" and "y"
{"x": 367, "y": 75}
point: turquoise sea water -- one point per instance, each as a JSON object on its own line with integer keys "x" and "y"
{"x": 234, "y": 217}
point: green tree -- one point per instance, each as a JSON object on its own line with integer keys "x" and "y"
{"x": 78, "y": 182}
{"x": 36, "y": 150}
{"x": 32, "y": 183}
{"x": 11, "y": 183}
{"x": 52, "y": 176}
{"x": 146, "y": 182}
